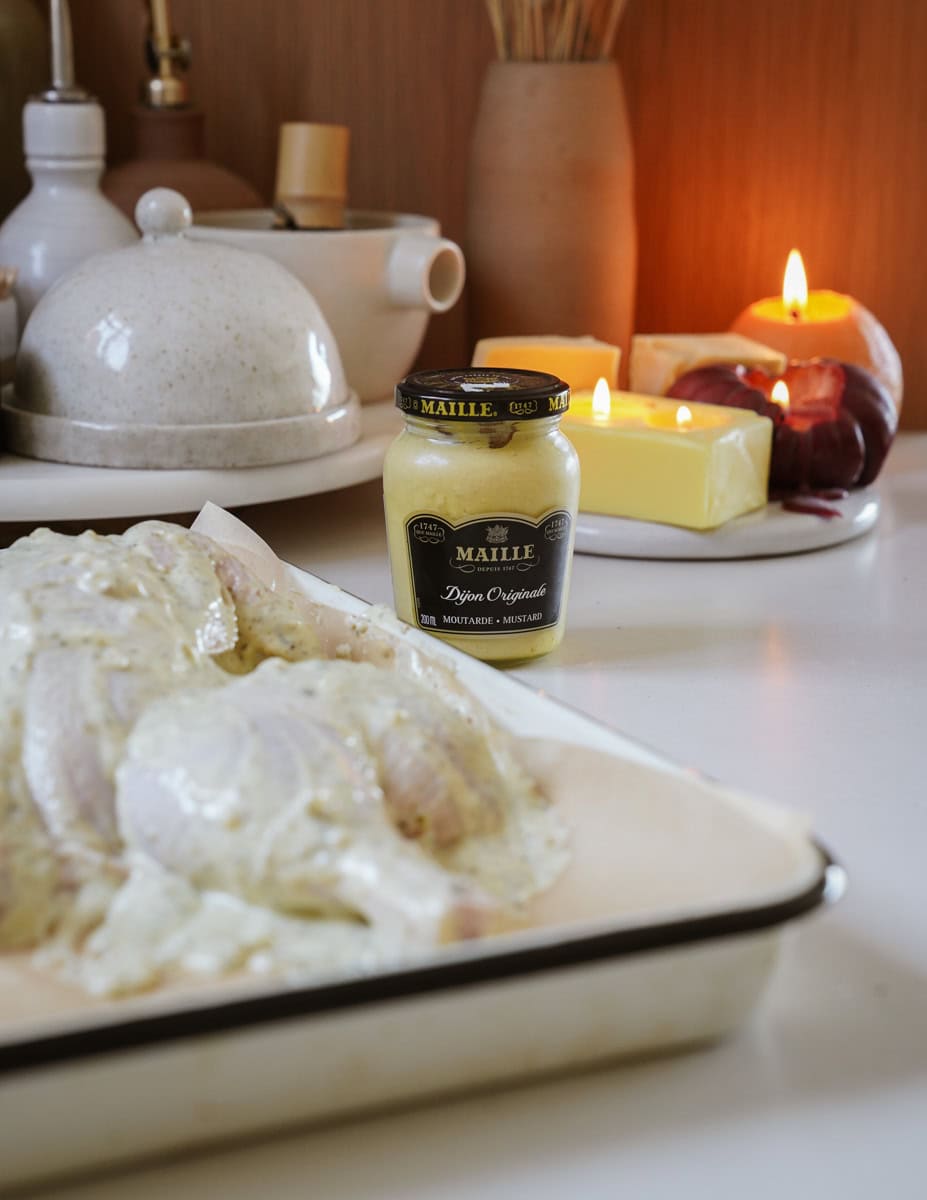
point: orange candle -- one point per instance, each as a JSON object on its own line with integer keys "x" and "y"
{"x": 825, "y": 324}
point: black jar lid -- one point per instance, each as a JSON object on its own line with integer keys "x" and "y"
{"x": 482, "y": 394}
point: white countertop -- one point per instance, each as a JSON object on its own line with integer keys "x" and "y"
{"x": 802, "y": 679}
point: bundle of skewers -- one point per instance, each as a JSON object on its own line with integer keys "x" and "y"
{"x": 554, "y": 30}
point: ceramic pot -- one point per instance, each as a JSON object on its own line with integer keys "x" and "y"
{"x": 551, "y": 234}
{"x": 169, "y": 152}
{"x": 377, "y": 281}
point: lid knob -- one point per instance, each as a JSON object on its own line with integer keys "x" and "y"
{"x": 163, "y": 212}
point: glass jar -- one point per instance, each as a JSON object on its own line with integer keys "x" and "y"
{"x": 481, "y": 490}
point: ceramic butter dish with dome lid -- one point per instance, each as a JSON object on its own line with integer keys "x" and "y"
{"x": 174, "y": 353}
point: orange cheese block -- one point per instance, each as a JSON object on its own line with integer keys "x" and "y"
{"x": 658, "y": 359}
{"x": 578, "y": 361}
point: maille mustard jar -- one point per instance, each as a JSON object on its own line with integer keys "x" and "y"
{"x": 481, "y": 490}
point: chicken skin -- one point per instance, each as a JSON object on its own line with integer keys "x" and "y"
{"x": 330, "y": 788}
{"x": 92, "y": 630}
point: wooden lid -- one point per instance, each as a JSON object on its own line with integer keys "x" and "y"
{"x": 312, "y": 172}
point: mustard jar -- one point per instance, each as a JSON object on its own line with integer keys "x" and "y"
{"x": 481, "y": 490}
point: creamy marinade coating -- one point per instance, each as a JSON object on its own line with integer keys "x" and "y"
{"x": 336, "y": 788}
{"x": 311, "y": 817}
{"x": 91, "y": 629}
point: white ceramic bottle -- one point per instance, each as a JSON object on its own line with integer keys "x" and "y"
{"x": 65, "y": 218}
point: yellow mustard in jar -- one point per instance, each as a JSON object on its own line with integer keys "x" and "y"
{"x": 480, "y": 491}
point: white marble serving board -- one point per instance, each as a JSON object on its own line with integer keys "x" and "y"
{"x": 765, "y": 533}
{"x": 31, "y": 490}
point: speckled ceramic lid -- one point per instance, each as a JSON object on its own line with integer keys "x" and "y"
{"x": 175, "y": 352}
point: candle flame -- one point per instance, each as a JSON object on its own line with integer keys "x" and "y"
{"x": 795, "y": 285}
{"x": 601, "y": 398}
{"x": 683, "y": 416}
{"x": 780, "y": 394}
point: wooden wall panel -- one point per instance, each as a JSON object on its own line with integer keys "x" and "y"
{"x": 403, "y": 74}
{"x": 758, "y": 124}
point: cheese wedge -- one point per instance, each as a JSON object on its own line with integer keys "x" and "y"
{"x": 658, "y": 359}
{"x": 578, "y": 361}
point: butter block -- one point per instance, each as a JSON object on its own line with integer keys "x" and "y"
{"x": 578, "y": 361}
{"x": 658, "y": 359}
{"x": 639, "y": 462}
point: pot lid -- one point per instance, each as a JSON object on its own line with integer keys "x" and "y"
{"x": 183, "y": 334}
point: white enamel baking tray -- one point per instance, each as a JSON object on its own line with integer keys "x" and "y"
{"x": 663, "y": 935}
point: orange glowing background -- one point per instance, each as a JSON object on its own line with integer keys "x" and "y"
{"x": 731, "y": 166}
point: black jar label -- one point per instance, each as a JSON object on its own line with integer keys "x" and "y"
{"x": 494, "y": 574}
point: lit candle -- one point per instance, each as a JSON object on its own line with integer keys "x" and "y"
{"x": 833, "y": 423}
{"x": 822, "y": 324}
{"x": 653, "y": 459}
{"x": 780, "y": 394}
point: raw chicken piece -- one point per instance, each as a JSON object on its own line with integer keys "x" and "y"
{"x": 449, "y": 769}
{"x": 108, "y": 624}
{"x": 442, "y": 782}
{"x": 390, "y": 810}
{"x": 39, "y": 879}
{"x": 270, "y": 788}
{"x": 380, "y": 640}
{"x": 99, "y": 627}
{"x": 270, "y": 624}
{"x": 157, "y": 928}
{"x": 28, "y": 865}
{"x": 92, "y": 629}
{"x": 450, "y": 774}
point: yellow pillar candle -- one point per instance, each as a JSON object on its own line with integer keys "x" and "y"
{"x": 696, "y": 465}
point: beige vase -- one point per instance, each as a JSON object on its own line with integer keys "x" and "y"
{"x": 551, "y": 234}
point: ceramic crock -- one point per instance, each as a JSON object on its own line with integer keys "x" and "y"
{"x": 377, "y": 281}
